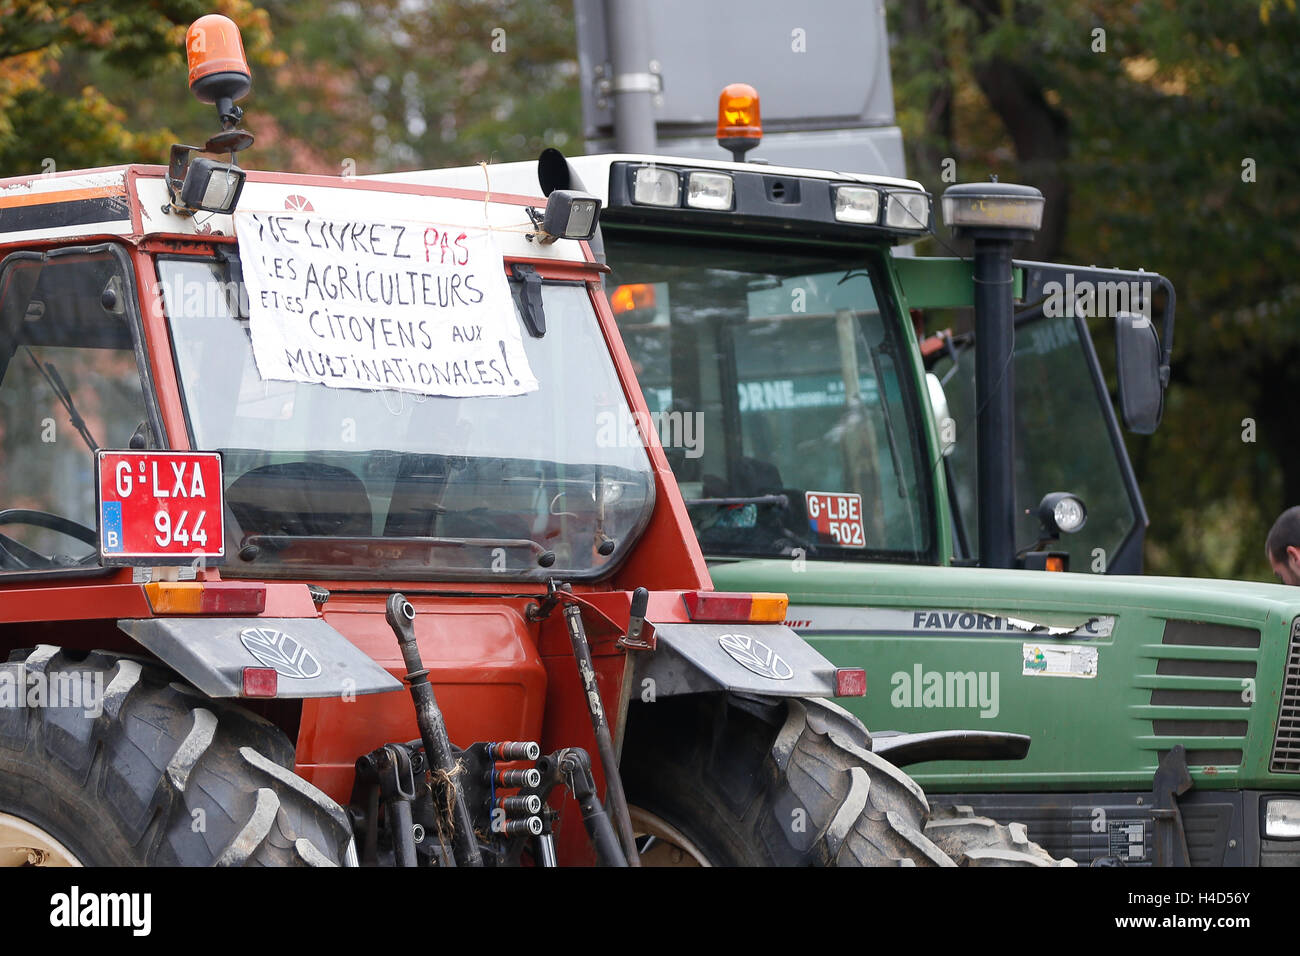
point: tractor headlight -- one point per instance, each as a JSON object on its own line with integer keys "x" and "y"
{"x": 907, "y": 210}
{"x": 709, "y": 190}
{"x": 655, "y": 186}
{"x": 857, "y": 204}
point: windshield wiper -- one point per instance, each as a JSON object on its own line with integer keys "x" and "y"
{"x": 61, "y": 392}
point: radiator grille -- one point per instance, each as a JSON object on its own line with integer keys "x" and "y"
{"x": 1190, "y": 699}
{"x": 1286, "y": 742}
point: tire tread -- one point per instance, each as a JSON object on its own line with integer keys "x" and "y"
{"x": 129, "y": 784}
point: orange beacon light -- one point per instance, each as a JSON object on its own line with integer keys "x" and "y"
{"x": 739, "y": 127}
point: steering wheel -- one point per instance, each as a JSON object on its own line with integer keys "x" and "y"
{"x": 25, "y": 558}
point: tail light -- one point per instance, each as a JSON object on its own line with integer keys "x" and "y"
{"x": 214, "y": 597}
{"x": 722, "y": 607}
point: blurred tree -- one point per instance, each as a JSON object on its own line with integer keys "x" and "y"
{"x": 71, "y": 72}
{"x": 1170, "y": 127}
{"x": 345, "y": 87}
{"x": 396, "y": 84}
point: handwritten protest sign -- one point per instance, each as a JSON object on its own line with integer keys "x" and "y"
{"x": 380, "y": 305}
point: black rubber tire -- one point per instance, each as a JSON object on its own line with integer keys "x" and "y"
{"x": 764, "y": 782}
{"x": 970, "y": 840}
{"x": 162, "y": 776}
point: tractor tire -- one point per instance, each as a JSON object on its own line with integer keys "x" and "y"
{"x": 727, "y": 780}
{"x": 979, "y": 841}
{"x": 153, "y": 773}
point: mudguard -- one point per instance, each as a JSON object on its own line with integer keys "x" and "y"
{"x": 311, "y": 658}
{"x": 767, "y": 659}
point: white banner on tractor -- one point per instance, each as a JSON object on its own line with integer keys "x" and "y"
{"x": 380, "y": 305}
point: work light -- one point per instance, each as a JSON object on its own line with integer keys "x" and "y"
{"x": 571, "y": 214}
{"x": 1062, "y": 512}
{"x": 212, "y": 186}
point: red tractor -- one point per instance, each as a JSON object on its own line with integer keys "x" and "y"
{"x": 273, "y": 445}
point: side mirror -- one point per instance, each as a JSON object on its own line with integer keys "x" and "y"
{"x": 943, "y": 421}
{"x": 1137, "y": 365}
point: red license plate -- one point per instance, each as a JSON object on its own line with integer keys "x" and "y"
{"x": 159, "y": 507}
{"x": 838, "y": 516}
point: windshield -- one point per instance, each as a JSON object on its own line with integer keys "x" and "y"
{"x": 781, "y": 396}
{"x": 384, "y": 484}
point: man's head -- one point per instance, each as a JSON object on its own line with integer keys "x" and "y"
{"x": 1283, "y": 546}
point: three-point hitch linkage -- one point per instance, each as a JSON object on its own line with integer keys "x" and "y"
{"x": 429, "y": 802}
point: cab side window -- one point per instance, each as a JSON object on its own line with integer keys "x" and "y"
{"x": 69, "y": 384}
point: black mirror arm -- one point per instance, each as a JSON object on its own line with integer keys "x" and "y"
{"x": 1167, "y": 339}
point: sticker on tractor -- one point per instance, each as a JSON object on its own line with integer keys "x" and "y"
{"x": 1126, "y": 841}
{"x": 412, "y": 307}
{"x": 838, "y": 516}
{"x": 159, "y": 507}
{"x": 1047, "y": 660}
